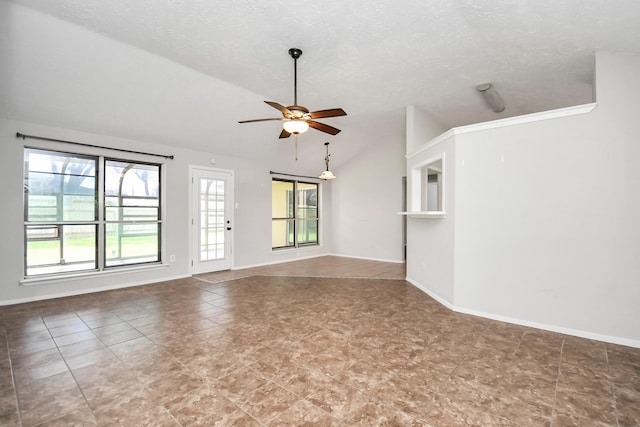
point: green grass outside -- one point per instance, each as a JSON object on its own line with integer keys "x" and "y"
{"x": 82, "y": 249}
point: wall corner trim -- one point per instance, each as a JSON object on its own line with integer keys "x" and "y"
{"x": 506, "y": 122}
{"x": 432, "y": 294}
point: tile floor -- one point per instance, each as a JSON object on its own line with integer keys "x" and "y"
{"x": 330, "y": 341}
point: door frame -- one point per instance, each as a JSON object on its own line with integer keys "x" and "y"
{"x": 192, "y": 213}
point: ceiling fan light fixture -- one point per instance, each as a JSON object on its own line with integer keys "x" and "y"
{"x": 295, "y": 126}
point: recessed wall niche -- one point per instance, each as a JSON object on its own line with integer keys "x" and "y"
{"x": 427, "y": 187}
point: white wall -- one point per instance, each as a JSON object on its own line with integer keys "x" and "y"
{"x": 420, "y": 127}
{"x": 367, "y": 195}
{"x": 430, "y": 241}
{"x": 555, "y": 239}
{"x": 546, "y": 217}
{"x": 60, "y": 74}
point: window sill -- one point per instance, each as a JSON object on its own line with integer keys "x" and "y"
{"x": 294, "y": 249}
{"x": 286, "y": 249}
{"x": 34, "y": 281}
{"x": 425, "y": 214}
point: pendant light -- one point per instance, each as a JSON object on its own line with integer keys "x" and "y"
{"x": 327, "y": 174}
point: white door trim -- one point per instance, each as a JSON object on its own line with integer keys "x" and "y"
{"x": 229, "y": 201}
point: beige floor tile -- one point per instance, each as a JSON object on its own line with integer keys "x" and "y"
{"x": 326, "y": 341}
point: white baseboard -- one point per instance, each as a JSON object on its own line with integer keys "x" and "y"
{"x": 431, "y": 294}
{"x": 264, "y": 264}
{"x": 367, "y": 258}
{"x": 546, "y": 327}
{"x": 87, "y": 291}
{"x": 146, "y": 282}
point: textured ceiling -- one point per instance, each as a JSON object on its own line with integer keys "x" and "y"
{"x": 377, "y": 56}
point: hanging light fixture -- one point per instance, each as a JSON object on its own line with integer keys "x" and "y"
{"x": 327, "y": 174}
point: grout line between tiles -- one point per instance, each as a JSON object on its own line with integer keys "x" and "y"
{"x": 71, "y": 370}
{"x": 613, "y": 391}
{"x": 13, "y": 380}
{"x": 555, "y": 389}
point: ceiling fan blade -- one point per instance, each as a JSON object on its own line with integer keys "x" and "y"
{"x": 324, "y": 128}
{"x": 261, "y": 120}
{"x": 284, "y": 110}
{"x": 284, "y": 134}
{"x": 334, "y": 112}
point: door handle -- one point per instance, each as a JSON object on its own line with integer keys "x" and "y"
{"x": 228, "y": 228}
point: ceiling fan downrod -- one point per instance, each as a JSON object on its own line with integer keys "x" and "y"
{"x": 295, "y": 53}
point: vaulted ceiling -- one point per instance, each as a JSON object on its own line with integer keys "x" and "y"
{"x": 378, "y": 56}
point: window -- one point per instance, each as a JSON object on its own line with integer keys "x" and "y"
{"x": 294, "y": 214}
{"x": 86, "y": 213}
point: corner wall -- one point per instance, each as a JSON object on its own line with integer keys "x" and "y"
{"x": 546, "y": 216}
{"x": 367, "y": 195}
{"x": 547, "y": 227}
{"x": 430, "y": 241}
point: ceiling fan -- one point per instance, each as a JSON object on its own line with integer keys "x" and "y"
{"x": 296, "y": 118}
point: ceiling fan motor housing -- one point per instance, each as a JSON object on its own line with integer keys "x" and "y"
{"x": 298, "y": 111}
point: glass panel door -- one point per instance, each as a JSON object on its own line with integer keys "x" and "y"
{"x": 212, "y": 196}
{"x": 212, "y": 217}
